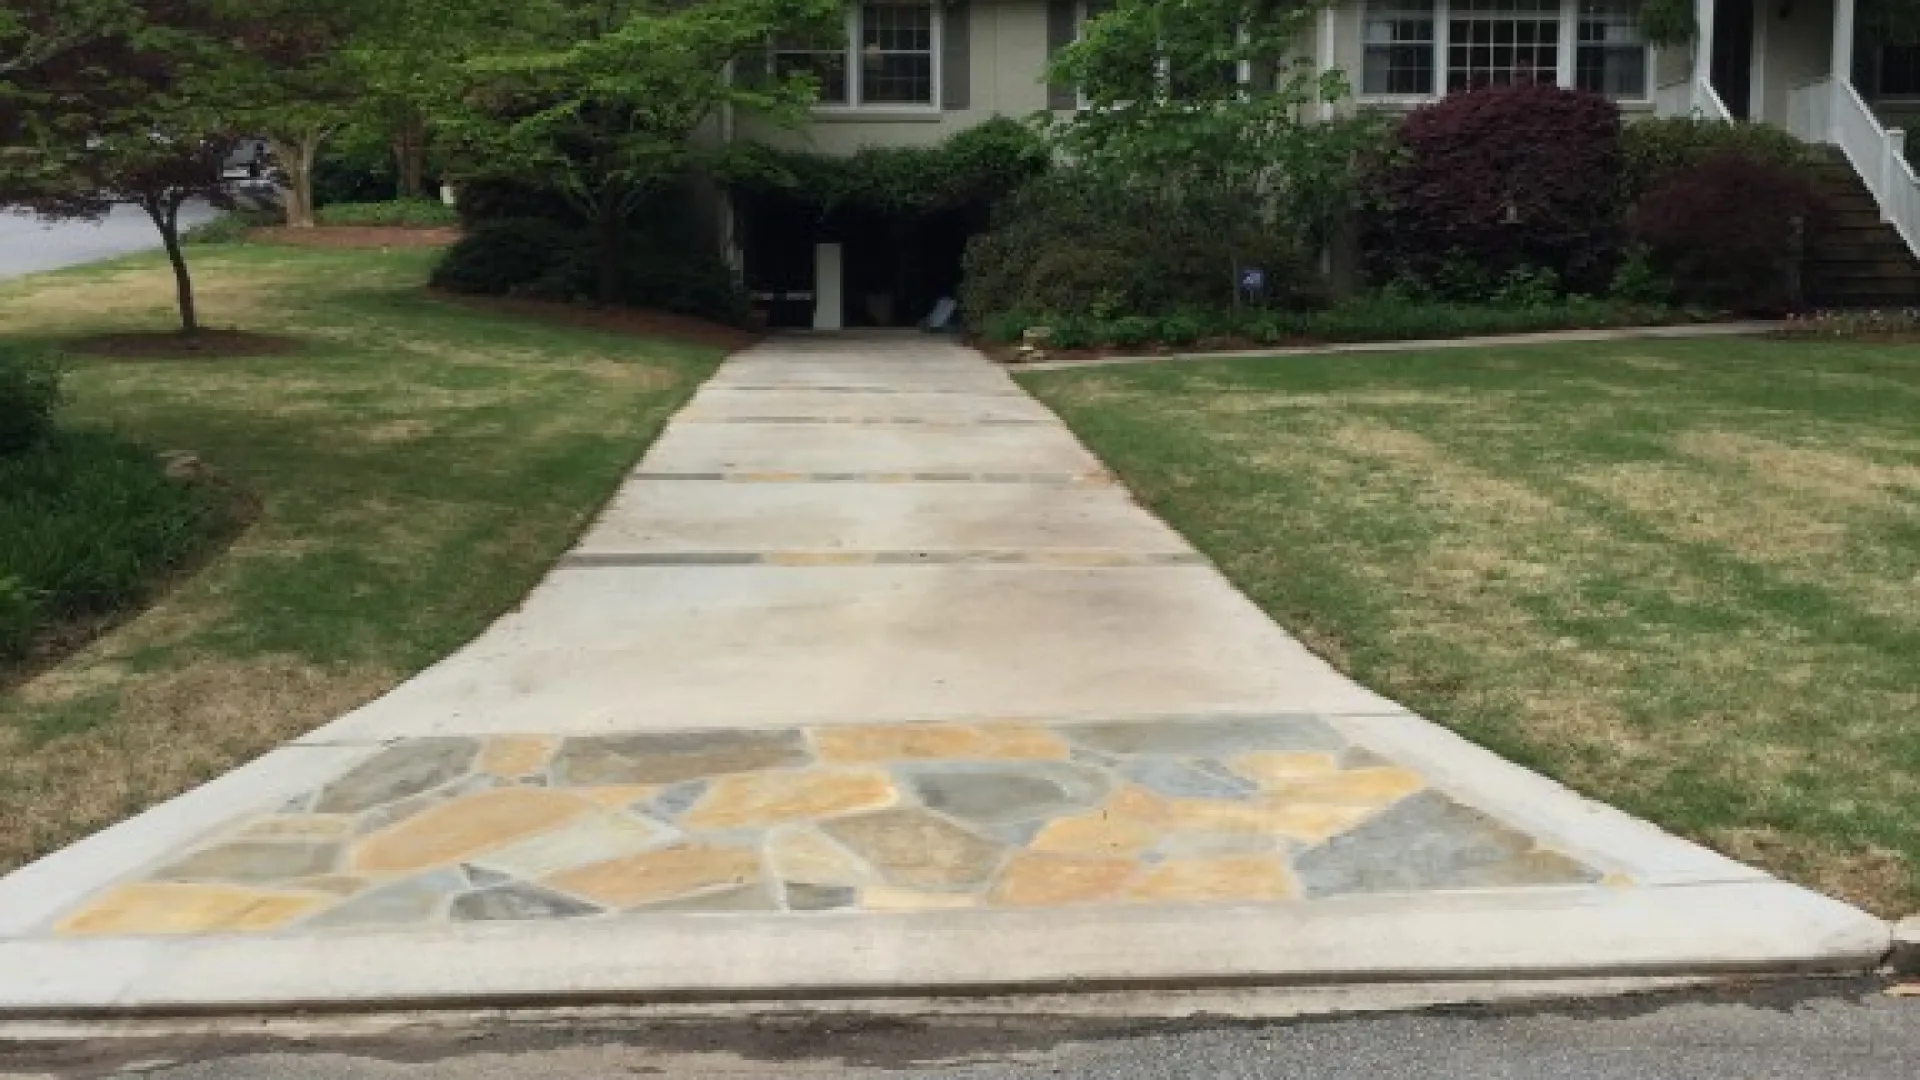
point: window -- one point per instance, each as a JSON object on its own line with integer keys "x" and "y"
{"x": 1415, "y": 47}
{"x": 1502, "y": 42}
{"x": 1899, "y": 72}
{"x": 1399, "y": 48}
{"x": 888, "y": 57}
{"x": 1613, "y": 57}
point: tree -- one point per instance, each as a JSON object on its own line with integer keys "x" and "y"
{"x": 1201, "y": 104}
{"x": 116, "y": 111}
{"x": 603, "y": 100}
{"x": 34, "y": 33}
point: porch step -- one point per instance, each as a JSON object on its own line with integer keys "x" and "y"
{"x": 1854, "y": 259}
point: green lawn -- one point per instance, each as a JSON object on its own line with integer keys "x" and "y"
{"x": 419, "y": 465}
{"x": 1682, "y": 577}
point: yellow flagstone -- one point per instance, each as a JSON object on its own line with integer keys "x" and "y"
{"x": 748, "y": 799}
{"x": 801, "y": 854}
{"x": 464, "y": 827}
{"x": 894, "y": 742}
{"x": 889, "y": 898}
{"x": 517, "y": 755}
{"x": 1234, "y": 877}
{"x": 659, "y": 875}
{"x": 1272, "y": 770}
{"x": 1274, "y": 815}
{"x": 1022, "y": 742}
{"x": 164, "y": 908}
{"x": 1096, "y": 833}
{"x": 616, "y": 796}
{"x": 1372, "y": 787}
{"x": 1043, "y": 880}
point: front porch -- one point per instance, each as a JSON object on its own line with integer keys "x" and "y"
{"x": 1809, "y": 66}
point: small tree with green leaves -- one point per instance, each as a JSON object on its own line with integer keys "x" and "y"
{"x": 604, "y": 102}
{"x": 119, "y": 110}
{"x": 1202, "y": 104}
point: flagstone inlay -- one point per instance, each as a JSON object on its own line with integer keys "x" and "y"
{"x": 832, "y": 819}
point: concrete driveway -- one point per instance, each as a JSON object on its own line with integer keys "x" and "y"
{"x": 872, "y": 680}
{"x": 29, "y": 245}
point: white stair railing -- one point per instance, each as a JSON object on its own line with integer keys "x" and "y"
{"x": 1690, "y": 97}
{"x": 1831, "y": 111}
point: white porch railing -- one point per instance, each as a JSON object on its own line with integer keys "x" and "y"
{"x": 1830, "y": 110}
{"x": 1690, "y": 97}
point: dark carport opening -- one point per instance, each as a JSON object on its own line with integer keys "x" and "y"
{"x": 896, "y": 264}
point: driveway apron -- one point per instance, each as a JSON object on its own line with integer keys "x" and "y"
{"x": 870, "y": 681}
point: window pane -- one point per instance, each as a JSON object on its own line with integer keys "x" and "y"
{"x": 1399, "y": 48}
{"x": 1612, "y": 57}
{"x": 896, "y": 54}
{"x": 1502, "y": 43}
{"x": 1900, "y": 71}
{"x": 898, "y": 78}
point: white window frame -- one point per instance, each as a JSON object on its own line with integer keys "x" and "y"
{"x": 1566, "y": 66}
{"x": 856, "y": 70}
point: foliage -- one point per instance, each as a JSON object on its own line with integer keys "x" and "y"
{"x": 543, "y": 259}
{"x": 1727, "y": 230}
{"x": 29, "y": 392}
{"x": 500, "y": 257}
{"x": 982, "y": 163}
{"x": 233, "y": 226}
{"x": 1656, "y": 149}
{"x": 403, "y": 213}
{"x": 88, "y": 524}
{"x": 1637, "y": 281}
{"x": 348, "y": 171}
{"x": 1076, "y": 242}
{"x": 125, "y": 109}
{"x": 1387, "y": 316}
{"x": 1168, "y": 116}
{"x": 1668, "y": 22}
{"x": 1499, "y": 178}
{"x": 602, "y": 101}
{"x": 1877, "y": 325}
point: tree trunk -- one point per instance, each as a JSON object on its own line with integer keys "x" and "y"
{"x": 296, "y": 161}
{"x": 609, "y": 229}
{"x": 166, "y": 217}
{"x": 410, "y": 155}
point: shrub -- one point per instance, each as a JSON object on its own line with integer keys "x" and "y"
{"x": 1637, "y": 281}
{"x": 1656, "y": 150}
{"x": 1181, "y": 329}
{"x": 346, "y": 172}
{"x": 1892, "y": 325}
{"x": 1074, "y": 243}
{"x": 29, "y": 392}
{"x": 233, "y": 226}
{"x": 88, "y": 524}
{"x": 1727, "y": 231}
{"x": 1497, "y": 179}
{"x": 501, "y": 256}
{"x": 1131, "y": 331}
{"x": 400, "y": 213}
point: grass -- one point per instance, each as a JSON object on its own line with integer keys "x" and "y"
{"x": 419, "y": 464}
{"x": 1682, "y": 577}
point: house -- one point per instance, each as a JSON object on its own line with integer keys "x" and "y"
{"x": 914, "y": 73}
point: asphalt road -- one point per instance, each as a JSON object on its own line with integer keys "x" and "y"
{"x": 1850, "y": 1031}
{"x": 29, "y": 245}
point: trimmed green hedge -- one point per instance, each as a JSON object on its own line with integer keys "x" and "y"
{"x": 1372, "y": 319}
{"x": 394, "y": 213}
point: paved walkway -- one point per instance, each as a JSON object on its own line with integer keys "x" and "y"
{"x": 872, "y": 680}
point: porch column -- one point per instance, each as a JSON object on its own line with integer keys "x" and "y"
{"x": 1702, "y": 54}
{"x": 1324, "y": 54}
{"x": 1843, "y": 40}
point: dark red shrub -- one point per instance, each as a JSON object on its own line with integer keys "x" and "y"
{"x": 1728, "y": 231}
{"x": 1501, "y": 178}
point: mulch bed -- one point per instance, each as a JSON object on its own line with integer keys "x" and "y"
{"x": 659, "y": 325}
{"x": 356, "y": 236}
{"x": 173, "y": 345}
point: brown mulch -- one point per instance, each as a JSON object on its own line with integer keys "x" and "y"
{"x": 205, "y": 344}
{"x": 659, "y": 325}
{"x": 356, "y": 236}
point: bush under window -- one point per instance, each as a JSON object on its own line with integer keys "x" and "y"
{"x": 1729, "y": 232}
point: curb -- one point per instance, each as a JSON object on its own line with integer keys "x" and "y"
{"x": 1905, "y": 957}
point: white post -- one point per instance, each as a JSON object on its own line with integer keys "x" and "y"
{"x": 1326, "y": 54}
{"x": 1843, "y": 40}
{"x": 827, "y": 300}
{"x": 1702, "y": 54}
{"x": 1891, "y": 155}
